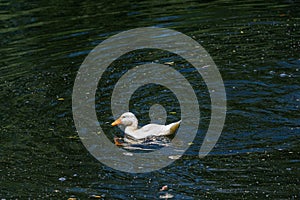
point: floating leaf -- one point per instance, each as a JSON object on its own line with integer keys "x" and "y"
{"x": 169, "y": 63}
{"x": 73, "y": 137}
{"x": 163, "y": 188}
{"x": 175, "y": 157}
{"x": 95, "y": 196}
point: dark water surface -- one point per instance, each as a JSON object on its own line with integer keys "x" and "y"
{"x": 256, "y": 46}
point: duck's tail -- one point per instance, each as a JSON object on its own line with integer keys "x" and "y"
{"x": 173, "y": 127}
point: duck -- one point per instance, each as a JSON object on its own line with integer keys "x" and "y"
{"x": 130, "y": 122}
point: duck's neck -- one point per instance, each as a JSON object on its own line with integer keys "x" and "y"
{"x": 132, "y": 127}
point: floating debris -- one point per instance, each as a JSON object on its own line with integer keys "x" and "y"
{"x": 282, "y": 75}
{"x": 62, "y": 179}
{"x": 169, "y": 63}
{"x": 127, "y": 154}
{"x": 163, "y": 188}
{"x": 95, "y": 196}
{"x": 166, "y": 196}
{"x": 175, "y": 157}
{"x": 73, "y": 137}
{"x": 60, "y": 99}
{"x": 272, "y": 72}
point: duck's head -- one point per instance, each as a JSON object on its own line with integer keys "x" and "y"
{"x": 126, "y": 119}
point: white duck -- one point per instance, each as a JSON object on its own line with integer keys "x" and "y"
{"x": 130, "y": 122}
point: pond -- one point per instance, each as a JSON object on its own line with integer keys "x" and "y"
{"x": 254, "y": 44}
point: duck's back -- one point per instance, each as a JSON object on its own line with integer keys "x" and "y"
{"x": 153, "y": 130}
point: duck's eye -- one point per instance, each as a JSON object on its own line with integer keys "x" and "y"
{"x": 123, "y": 117}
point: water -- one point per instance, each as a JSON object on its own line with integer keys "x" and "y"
{"x": 255, "y": 46}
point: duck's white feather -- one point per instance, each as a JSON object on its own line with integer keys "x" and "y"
{"x": 130, "y": 122}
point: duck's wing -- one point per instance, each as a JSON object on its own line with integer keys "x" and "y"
{"x": 173, "y": 127}
{"x": 153, "y": 129}
{"x": 158, "y": 130}
{"x": 146, "y": 131}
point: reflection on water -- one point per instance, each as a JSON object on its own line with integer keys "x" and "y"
{"x": 254, "y": 44}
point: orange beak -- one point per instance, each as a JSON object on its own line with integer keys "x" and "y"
{"x": 117, "y": 122}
